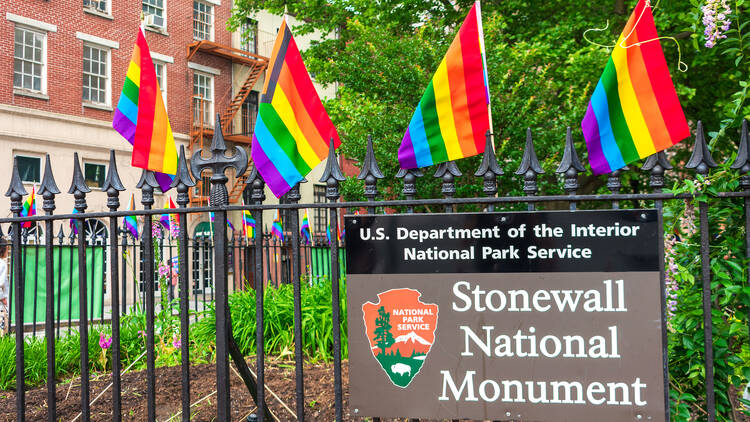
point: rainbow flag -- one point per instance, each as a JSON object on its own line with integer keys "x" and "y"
{"x": 328, "y": 233}
{"x": 229, "y": 223}
{"x": 276, "y": 229}
{"x": 453, "y": 115}
{"x": 292, "y": 130}
{"x": 248, "y": 222}
{"x": 634, "y": 111}
{"x": 305, "y": 228}
{"x": 141, "y": 117}
{"x": 166, "y": 219}
{"x": 29, "y": 208}
{"x": 130, "y": 222}
{"x": 72, "y": 222}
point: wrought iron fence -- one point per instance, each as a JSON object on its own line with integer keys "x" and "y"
{"x": 257, "y": 262}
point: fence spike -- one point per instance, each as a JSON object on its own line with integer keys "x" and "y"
{"x": 530, "y": 167}
{"x": 60, "y": 235}
{"x": 48, "y": 188}
{"x": 112, "y": 183}
{"x": 742, "y": 162}
{"x": 570, "y": 165}
{"x": 258, "y": 192}
{"x": 78, "y": 186}
{"x": 293, "y": 194}
{"x": 656, "y": 164}
{"x": 218, "y": 163}
{"x": 182, "y": 179}
{"x": 15, "y": 192}
{"x": 410, "y": 179}
{"x": 370, "y": 172}
{"x": 147, "y": 184}
{"x": 489, "y": 170}
{"x": 701, "y": 159}
{"x": 332, "y": 174}
{"x": 448, "y": 171}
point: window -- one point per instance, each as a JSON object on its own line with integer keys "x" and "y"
{"x": 320, "y": 215}
{"x": 203, "y": 16}
{"x": 30, "y": 168}
{"x": 161, "y": 78}
{"x": 203, "y": 88}
{"x": 249, "y": 36}
{"x": 29, "y": 64}
{"x": 96, "y": 6}
{"x": 94, "y": 174}
{"x": 95, "y": 74}
{"x": 154, "y": 8}
{"x": 249, "y": 113}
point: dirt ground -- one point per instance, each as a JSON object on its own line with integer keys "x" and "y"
{"x": 319, "y": 397}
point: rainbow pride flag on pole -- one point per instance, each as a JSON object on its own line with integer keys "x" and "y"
{"x": 141, "y": 117}
{"x": 453, "y": 115}
{"x": 276, "y": 229}
{"x": 305, "y": 228}
{"x": 634, "y": 111}
{"x": 130, "y": 221}
{"x": 292, "y": 130}
{"x": 167, "y": 220}
{"x": 29, "y": 208}
{"x": 248, "y": 223}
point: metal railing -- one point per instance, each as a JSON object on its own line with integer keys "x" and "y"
{"x": 258, "y": 265}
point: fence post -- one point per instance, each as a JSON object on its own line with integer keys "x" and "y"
{"x": 530, "y": 169}
{"x": 410, "y": 185}
{"x": 702, "y": 161}
{"x": 48, "y": 189}
{"x": 570, "y": 166}
{"x": 448, "y": 171}
{"x": 293, "y": 196}
{"x": 332, "y": 175}
{"x": 219, "y": 162}
{"x": 489, "y": 170}
{"x": 370, "y": 173}
{"x": 742, "y": 163}
{"x": 113, "y": 186}
{"x": 16, "y": 193}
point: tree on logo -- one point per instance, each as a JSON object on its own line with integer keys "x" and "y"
{"x": 383, "y": 337}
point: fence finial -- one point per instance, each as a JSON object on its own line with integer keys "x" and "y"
{"x": 489, "y": 170}
{"x": 258, "y": 193}
{"x": 147, "y": 184}
{"x": 448, "y": 171}
{"x": 182, "y": 179}
{"x": 48, "y": 188}
{"x": 370, "y": 172}
{"x": 16, "y": 192}
{"x": 112, "y": 183}
{"x": 656, "y": 164}
{"x": 60, "y": 235}
{"x": 332, "y": 174}
{"x": 701, "y": 159}
{"x": 570, "y": 165}
{"x": 530, "y": 167}
{"x": 742, "y": 162}
{"x": 78, "y": 187}
{"x": 218, "y": 163}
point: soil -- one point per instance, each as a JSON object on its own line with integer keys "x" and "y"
{"x": 280, "y": 380}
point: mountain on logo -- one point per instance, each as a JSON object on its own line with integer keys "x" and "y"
{"x": 409, "y": 344}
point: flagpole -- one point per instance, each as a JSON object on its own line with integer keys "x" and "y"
{"x": 484, "y": 64}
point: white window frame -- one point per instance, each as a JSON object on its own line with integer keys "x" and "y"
{"x": 43, "y": 84}
{"x": 95, "y": 11}
{"x": 29, "y": 155}
{"x": 108, "y": 83}
{"x": 212, "y": 6}
{"x": 163, "y": 15}
{"x": 163, "y": 83}
{"x": 210, "y": 77}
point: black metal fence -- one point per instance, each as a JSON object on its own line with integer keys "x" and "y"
{"x": 255, "y": 262}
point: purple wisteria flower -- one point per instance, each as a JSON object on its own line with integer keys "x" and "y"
{"x": 163, "y": 270}
{"x": 176, "y": 343}
{"x": 104, "y": 341}
{"x": 156, "y": 229}
{"x": 716, "y": 20}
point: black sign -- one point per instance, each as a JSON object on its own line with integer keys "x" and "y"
{"x": 511, "y": 242}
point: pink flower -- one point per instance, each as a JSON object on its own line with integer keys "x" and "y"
{"x": 176, "y": 343}
{"x": 163, "y": 270}
{"x": 104, "y": 341}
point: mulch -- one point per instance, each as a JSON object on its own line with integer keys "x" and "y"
{"x": 280, "y": 379}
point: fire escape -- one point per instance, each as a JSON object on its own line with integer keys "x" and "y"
{"x": 201, "y": 132}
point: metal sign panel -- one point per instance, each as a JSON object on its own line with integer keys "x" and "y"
{"x": 533, "y": 316}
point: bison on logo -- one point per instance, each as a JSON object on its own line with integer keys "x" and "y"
{"x": 401, "y": 330}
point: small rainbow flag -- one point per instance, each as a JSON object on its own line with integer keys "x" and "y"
{"x": 328, "y": 233}
{"x": 167, "y": 219}
{"x": 248, "y": 222}
{"x": 276, "y": 229}
{"x": 29, "y": 208}
{"x": 130, "y": 221}
{"x": 305, "y": 228}
{"x": 453, "y": 115}
{"x": 72, "y": 222}
{"x": 229, "y": 223}
{"x": 634, "y": 111}
{"x": 141, "y": 117}
{"x": 292, "y": 130}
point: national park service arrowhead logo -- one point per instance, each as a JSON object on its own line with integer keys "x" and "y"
{"x": 401, "y": 331}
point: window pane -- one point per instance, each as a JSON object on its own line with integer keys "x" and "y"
{"x": 29, "y": 168}
{"x": 94, "y": 174}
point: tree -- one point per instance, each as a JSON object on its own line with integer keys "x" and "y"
{"x": 383, "y": 337}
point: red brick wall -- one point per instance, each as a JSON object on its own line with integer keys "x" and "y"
{"x": 65, "y": 54}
